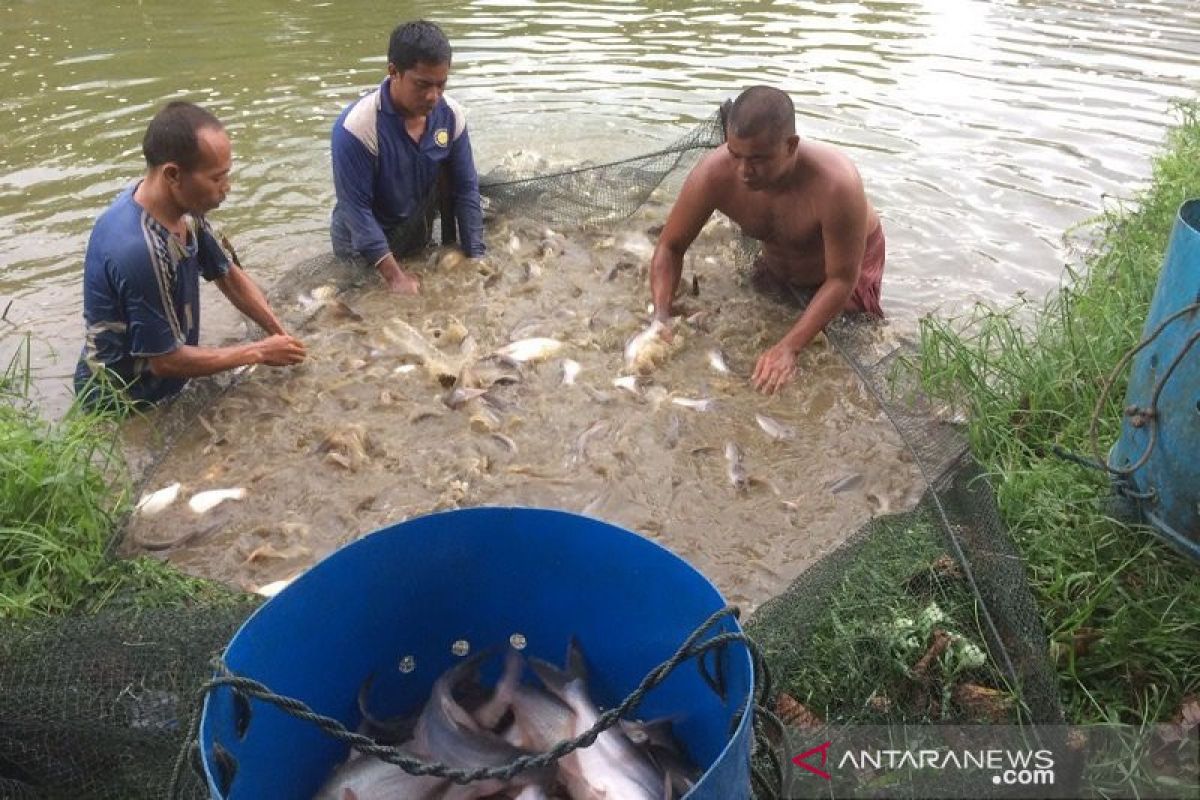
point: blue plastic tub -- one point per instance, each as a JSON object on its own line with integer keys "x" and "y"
{"x": 1166, "y": 488}
{"x": 479, "y": 576}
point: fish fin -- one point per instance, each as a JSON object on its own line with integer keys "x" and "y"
{"x": 576, "y": 663}
{"x": 555, "y": 679}
{"x": 364, "y": 692}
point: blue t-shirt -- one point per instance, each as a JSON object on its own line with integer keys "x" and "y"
{"x": 141, "y": 295}
{"x": 382, "y": 177}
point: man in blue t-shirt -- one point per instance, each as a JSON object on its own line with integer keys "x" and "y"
{"x": 395, "y": 146}
{"x": 141, "y": 274}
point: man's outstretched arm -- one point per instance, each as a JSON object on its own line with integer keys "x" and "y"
{"x": 695, "y": 205}
{"x": 247, "y": 298}
{"x": 193, "y": 361}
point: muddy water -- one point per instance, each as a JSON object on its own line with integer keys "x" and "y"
{"x": 364, "y": 434}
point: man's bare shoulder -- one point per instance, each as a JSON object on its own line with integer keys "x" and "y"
{"x": 836, "y": 168}
{"x": 715, "y": 168}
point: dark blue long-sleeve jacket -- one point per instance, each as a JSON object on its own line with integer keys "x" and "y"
{"x": 382, "y": 176}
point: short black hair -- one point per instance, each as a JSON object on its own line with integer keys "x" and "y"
{"x": 171, "y": 136}
{"x": 759, "y": 109}
{"x": 418, "y": 41}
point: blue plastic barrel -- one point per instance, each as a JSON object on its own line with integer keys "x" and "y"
{"x": 1166, "y": 487}
{"x": 411, "y": 591}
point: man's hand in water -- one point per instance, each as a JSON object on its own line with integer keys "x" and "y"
{"x": 775, "y": 369}
{"x": 398, "y": 281}
{"x": 404, "y": 283}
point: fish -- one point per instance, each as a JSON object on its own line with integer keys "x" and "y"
{"x": 570, "y": 369}
{"x": 267, "y": 551}
{"x": 412, "y": 342}
{"x": 446, "y": 732}
{"x": 158, "y": 501}
{"x": 735, "y": 468}
{"x": 391, "y": 731}
{"x": 339, "y": 309}
{"x": 845, "y": 483}
{"x": 674, "y": 425}
{"x": 206, "y": 501}
{"x": 579, "y": 451}
{"x": 459, "y": 396}
{"x": 484, "y": 420}
{"x": 532, "y": 792}
{"x": 705, "y": 404}
{"x": 647, "y": 349}
{"x": 369, "y": 778}
{"x": 612, "y": 766}
{"x": 630, "y": 383}
{"x": 317, "y": 297}
{"x": 534, "y": 349}
{"x": 489, "y": 713}
{"x": 506, "y": 441}
{"x": 701, "y": 320}
{"x": 274, "y": 587}
{"x": 598, "y": 395}
{"x": 716, "y": 360}
{"x": 349, "y": 446}
{"x": 451, "y": 258}
{"x": 774, "y": 428}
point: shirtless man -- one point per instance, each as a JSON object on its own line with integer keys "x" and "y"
{"x": 803, "y": 200}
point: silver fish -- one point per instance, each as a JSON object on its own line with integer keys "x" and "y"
{"x": 630, "y": 383}
{"x": 735, "y": 468}
{"x": 716, "y": 360}
{"x": 570, "y": 370}
{"x": 490, "y": 712}
{"x": 459, "y": 396}
{"x": 537, "y": 348}
{"x": 206, "y": 501}
{"x": 846, "y": 483}
{"x": 579, "y": 451}
{"x": 774, "y": 428}
{"x": 532, "y": 792}
{"x": 317, "y": 297}
{"x": 368, "y": 778}
{"x": 413, "y": 342}
{"x": 157, "y": 502}
{"x": 705, "y": 404}
{"x": 674, "y": 424}
{"x": 542, "y": 719}
{"x": 647, "y": 349}
{"x": 612, "y": 766}
{"x": 506, "y": 441}
{"x": 447, "y": 733}
{"x": 599, "y": 396}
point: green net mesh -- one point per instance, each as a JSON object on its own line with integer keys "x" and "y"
{"x": 918, "y": 617}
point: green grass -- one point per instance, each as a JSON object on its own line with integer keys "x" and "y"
{"x": 1122, "y": 610}
{"x": 849, "y": 650}
{"x": 63, "y": 488}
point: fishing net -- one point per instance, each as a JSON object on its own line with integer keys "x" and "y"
{"x": 921, "y": 616}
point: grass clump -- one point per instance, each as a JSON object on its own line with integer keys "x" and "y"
{"x": 887, "y": 632}
{"x": 1119, "y": 606}
{"x": 63, "y": 490}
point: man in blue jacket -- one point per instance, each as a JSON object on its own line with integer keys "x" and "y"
{"x": 392, "y": 150}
